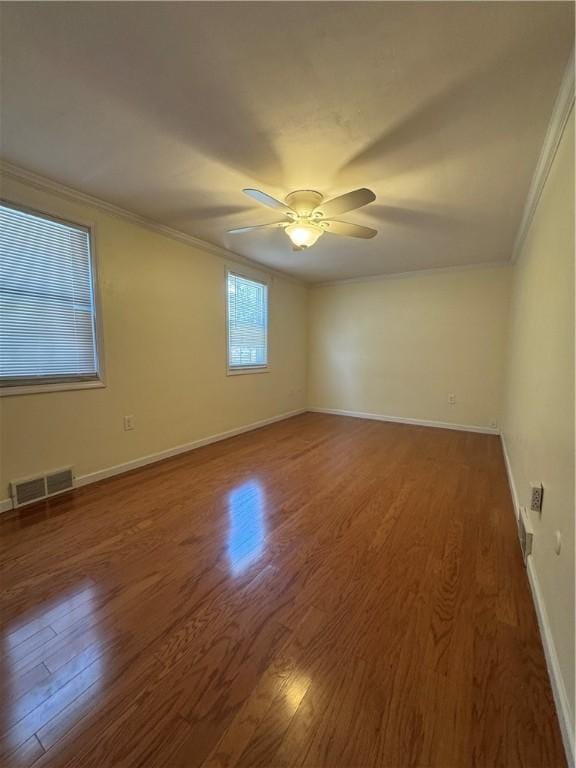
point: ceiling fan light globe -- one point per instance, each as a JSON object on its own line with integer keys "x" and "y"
{"x": 303, "y": 234}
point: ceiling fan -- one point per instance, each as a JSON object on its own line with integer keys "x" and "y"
{"x": 308, "y": 215}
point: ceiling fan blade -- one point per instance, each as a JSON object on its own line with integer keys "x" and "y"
{"x": 268, "y": 200}
{"x": 273, "y": 224}
{"x": 348, "y": 202}
{"x": 350, "y": 230}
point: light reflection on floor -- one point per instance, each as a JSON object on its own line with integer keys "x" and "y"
{"x": 83, "y": 670}
{"x": 247, "y": 525}
{"x": 295, "y": 691}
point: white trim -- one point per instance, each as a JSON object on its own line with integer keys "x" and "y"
{"x": 94, "y": 477}
{"x": 250, "y": 272}
{"x": 44, "y": 184}
{"x": 565, "y": 718}
{"x": 554, "y": 672}
{"x": 49, "y": 185}
{"x": 511, "y": 483}
{"x": 247, "y": 369}
{"x": 412, "y": 273}
{"x": 402, "y": 420}
{"x": 102, "y": 474}
{"x": 560, "y": 114}
{"x": 118, "y": 469}
{"x": 39, "y": 389}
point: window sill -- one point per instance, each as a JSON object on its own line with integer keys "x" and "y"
{"x": 240, "y": 371}
{"x": 37, "y": 389}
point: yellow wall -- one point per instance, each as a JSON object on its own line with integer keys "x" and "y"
{"x": 399, "y": 346}
{"x": 539, "y": 412}
{"x": 163, "y": 308}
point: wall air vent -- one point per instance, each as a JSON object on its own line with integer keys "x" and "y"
{"x": 58, "y": 482}
{"x": 27, "y": 491}
{"x": 37, "y": 488}
{"x": 525, "y": 533}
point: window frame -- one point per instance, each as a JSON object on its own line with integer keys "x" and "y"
{"x": 246, "y": 369}
{"x": 68, "y": 382}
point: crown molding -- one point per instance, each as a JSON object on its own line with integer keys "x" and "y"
{"x": 412, "y": 273}
{"x": 560, "y": 114}
{"x": 44, "y": 184}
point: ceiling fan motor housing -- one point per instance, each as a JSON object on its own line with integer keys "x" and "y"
{"x": 304, "y": 201}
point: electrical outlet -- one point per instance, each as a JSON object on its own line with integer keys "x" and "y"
{"x": 536, "y": 497}
{"x": 129, "y": 423}
{"x": 451, "y": 399}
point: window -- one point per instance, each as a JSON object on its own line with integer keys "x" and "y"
{"x": 47, "y": 307}
{"x": 247, "y": 324}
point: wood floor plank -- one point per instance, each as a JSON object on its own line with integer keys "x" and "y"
{"x": 19, "y": 684}
{"x": 25, "y": 755}
{"x": 324, "y": 592}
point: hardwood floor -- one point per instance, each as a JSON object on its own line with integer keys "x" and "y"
{"x": 323, "y": 592}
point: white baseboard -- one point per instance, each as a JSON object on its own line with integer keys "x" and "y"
{"x": 511, "y": 483}
{"x": 118, "y": 469}
{"x": 558, "y": 688}
{"x": 415, "y": 422}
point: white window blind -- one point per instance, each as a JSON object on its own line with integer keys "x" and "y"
{"x": 47, "y": 309}
{"x": 247, "y": 323}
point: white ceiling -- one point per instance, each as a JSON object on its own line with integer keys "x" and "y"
{"x": 170, "y": 109}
